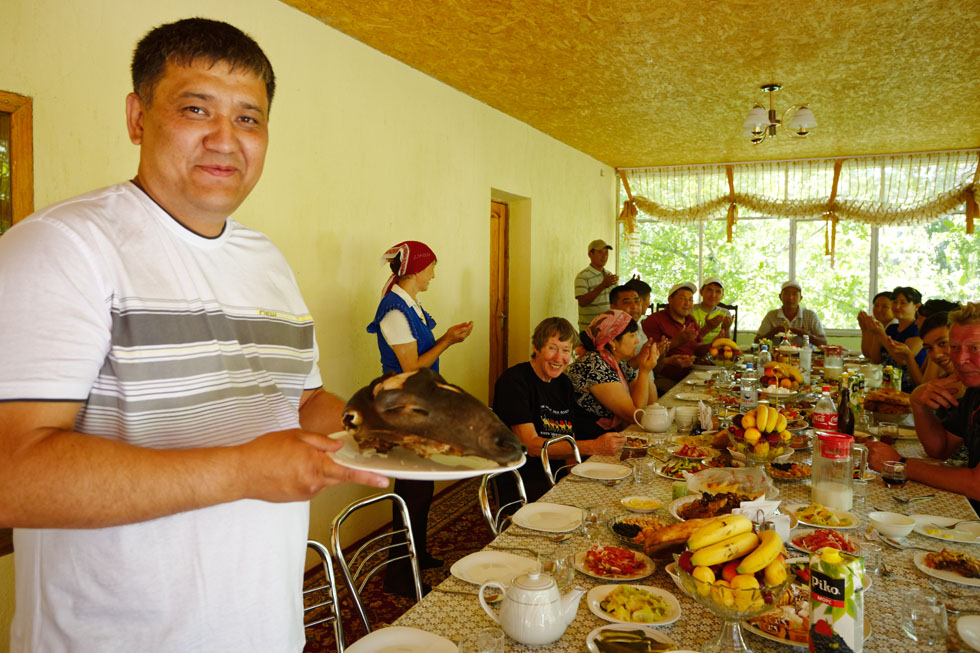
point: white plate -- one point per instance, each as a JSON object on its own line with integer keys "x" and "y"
{"x": 601, "y": 471}
{"x": 400, "y": 639}
{"x": 548, "y": 517}
{"x": 709, "y": 452}
{"x": 965, "y": 533}
{"x": 776, "y": 393}
{"x": 696, "y": 382}
{"x": 809, "y": 531}
{"x": 404, "y": 464}
{"x": 942, "y": 574}
{"x": 625, "y": 501}
{"x": 692, "y": 396}
{"x": 598, "y": 593}
{"x": 673, "y": 506}
{"x": 649, "y": 567}
{"x": 968, "y": 626}
{"x": 650, "y": 633}
{"x": 483, "y": 566}
{"x": 852, "y": 520}
{"x": 658, "y": 468}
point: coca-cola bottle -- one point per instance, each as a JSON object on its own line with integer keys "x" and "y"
{"x": 825, "y": 413}
{"x": 845, "y": 416}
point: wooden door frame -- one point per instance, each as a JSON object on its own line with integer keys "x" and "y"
{"x": 498, "y": 291}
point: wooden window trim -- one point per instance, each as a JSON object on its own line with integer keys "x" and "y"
{"x": 20, "y": 108}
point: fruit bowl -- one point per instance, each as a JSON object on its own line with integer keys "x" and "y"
{"x": 760, "y": 435}
{"x": 732, "y": 605}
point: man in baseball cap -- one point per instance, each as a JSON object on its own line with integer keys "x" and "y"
{"x": 679, "y": 334}
{"x": 713, "y": 319}
{"x": 792, "y": 319}
{"x": 593, "y": 283}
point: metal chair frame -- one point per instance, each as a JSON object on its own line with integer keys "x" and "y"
{"x": 331, "y": 601}
{"x": 497, "y": 520}
{"x": 363, "y": 564}
{"x": 546, "y": 461}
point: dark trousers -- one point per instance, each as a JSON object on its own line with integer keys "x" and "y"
{"x": 418, "y": 500}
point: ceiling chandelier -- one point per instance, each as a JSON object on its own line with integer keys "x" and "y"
{"x": 797, "y": 121}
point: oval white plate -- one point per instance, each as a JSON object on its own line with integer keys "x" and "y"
{"x": 649, "y": 632}
{"x": 401, "y": 639}
{"x": 809, "y": 531}
{"x": 483, "y": 566}
{"x": 601, "y": 471}
{"x": 625, "y": 502}
{"x": 548, "y": 517}
{"x": 404, "y": 464}
{"x": 942, "y": 574}
{"x": 692, "y": 396}
{"x": 968, "y": 626}
{"x": 708, "y": 452}
{"x": 649, "y": 567}
{"x": 853, "y": 521}
{"x": 658, "y": 468}
{"x": 598, "y": 593}
{"x": 965, "y": 534}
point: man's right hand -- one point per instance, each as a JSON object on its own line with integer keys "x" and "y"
{"x": 936, "y": 393}
{"x": 293, "y": 465}
{"x": 609, "y": 444}
{"x": 610, "y": 280}
{"x": 680, "y": 360}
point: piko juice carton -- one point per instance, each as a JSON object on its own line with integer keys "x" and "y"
{"x": 836, "y": 602}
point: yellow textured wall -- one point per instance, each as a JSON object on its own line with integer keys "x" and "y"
{"x": 364, "y": 152}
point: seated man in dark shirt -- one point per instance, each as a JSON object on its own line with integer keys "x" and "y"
{"x": 676, "y": 324}
{"x": 535, "y": 399}
{"x": 942, "y": 421}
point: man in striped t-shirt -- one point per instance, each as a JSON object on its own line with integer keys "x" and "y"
{"x": 593, "y": 283}
{"x": 162, "y": 420}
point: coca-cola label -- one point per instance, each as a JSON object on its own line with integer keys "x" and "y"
{"x": 825, "y": 421}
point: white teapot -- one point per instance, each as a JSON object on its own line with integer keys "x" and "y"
{"x": 656, "y": 418}
{"x": 533, "y": 612}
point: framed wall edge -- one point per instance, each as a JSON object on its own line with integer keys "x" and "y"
{"x": 21, "y": 110}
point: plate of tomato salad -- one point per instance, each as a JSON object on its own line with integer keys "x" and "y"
{"x": 614, "y": 563}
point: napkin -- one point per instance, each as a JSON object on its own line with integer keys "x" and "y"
{"x": 765, "y": 509}
{"x": 704, "y": 416}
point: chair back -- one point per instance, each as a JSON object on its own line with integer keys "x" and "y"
{"x": 490, "y": 484}
{"x": 377, "y": 552}
{"x": 546, "y": 461}
{"x": 323, "y": 602}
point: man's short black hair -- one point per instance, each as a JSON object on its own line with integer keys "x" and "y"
{"x": 883, "y": 293}
{"x": 934, "y": 321}
{"x": 641, "y": 287}
{"x": 184, "y": 41}
{"x": 617, "y": 291}
{"x": 934, "y": 306}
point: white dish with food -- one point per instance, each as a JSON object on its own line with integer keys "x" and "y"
{"x": 407, "y": 465}
{"x": 646, "y": 565}
{"x": 693, "y": 396}
{"x": 943, "y": 574}
{"x": 891, "y": 524}
{"x": 842, "y": 541}
{"x": 700, "y": 453}
{"x": 846, "y": 519}
{"x": 647, "y": 633}
{"x": 640, "y": 504}
{"x": 636, "y": 440}
{"x": 401, "y": 639}
{"x": 548, "y": 517}
{"x": 671, "y": 607}
{"x": 939, "y": 528}
{"x": 679, "y": 466}
{"x": 485, "y": 566}
{"x": 601, "y": 471}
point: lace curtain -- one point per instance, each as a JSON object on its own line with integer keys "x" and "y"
{"x": 878, "y": 190}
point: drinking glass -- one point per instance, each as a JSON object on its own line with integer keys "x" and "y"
{"x": 593, "y": 524}
{"x": 924, "y": 618}
{"x": 872, "y": 558}
{"x": 893, "y": 474}
{"x": 860, "y": 491}
{"x": 488, "y": 640}
{"x": 642, "y": 473}
{"x": 560, "y": 565}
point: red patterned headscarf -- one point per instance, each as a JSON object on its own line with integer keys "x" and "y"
{"x": 605, "y": 328}
{"x": 415, "y": 257}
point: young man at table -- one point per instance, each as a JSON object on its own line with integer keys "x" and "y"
{"x": 682, "y": 334}
{"x": 942, "y": 421}
{"x": 593, "y": 283}
{"x": 708, "y": 312}
{"x": 161, "y": 436}
{"x": 792, "y": 318}
{"x": 625, "y": 298}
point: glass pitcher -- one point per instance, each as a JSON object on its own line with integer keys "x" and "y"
{"x": 832, "y": 485}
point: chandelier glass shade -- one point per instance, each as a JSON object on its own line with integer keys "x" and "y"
{"x": 797, "y": 121}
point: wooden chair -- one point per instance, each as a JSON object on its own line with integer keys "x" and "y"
{"x": 376, "y": 553}
{"x": 546, "y": 462}
{"x": 324, "y": 596}
{"x": 489, "y": 484}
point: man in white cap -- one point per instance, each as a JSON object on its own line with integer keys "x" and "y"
{"x": 792, "y": 319}
{"x": 675, "y": 326}
{"x": 713, "y": 319}
{"x": 593, "y": 283}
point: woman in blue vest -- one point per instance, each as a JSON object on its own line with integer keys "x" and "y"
{"x": 407, "y": 343}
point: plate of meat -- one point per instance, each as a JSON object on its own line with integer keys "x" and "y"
{"x": 954, "y": 566}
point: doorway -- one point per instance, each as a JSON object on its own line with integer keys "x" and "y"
{"x": 499, "y": 267}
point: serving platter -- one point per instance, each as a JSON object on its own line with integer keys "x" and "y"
{"x": 692, "y": 396}
{"x": 599, "y": 593}
{"x": 920, "y": 563}
{"x": 406, "y": 465}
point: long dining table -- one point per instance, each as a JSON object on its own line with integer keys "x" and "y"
{"x": 453, "y": 615}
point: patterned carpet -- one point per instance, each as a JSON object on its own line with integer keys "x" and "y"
{"x": 456, "y": 528}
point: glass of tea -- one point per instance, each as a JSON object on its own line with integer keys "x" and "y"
{"x": 893, "y": 473}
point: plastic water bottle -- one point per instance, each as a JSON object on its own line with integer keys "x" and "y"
{"x": 763, "y": 357}
{"x": 825, "y": 412}
{"x": 806, "y": 360}
{"x": 749, "y": 397}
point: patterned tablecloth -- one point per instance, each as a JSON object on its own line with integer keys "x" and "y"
{"x": 455, "y": 615}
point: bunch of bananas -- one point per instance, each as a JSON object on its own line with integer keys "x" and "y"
{"x": 760, "y": 432}
{"x": 724, "y": 348}
{"x": 782, "y": 375}
{"x": 726, "y": 555}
